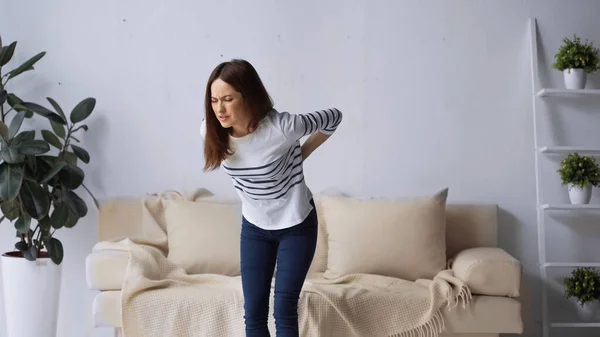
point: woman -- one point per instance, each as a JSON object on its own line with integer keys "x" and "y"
{"x": 259, "y": 148}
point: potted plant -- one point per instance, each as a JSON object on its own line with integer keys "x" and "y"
{"x": 584, "y": 286}
{"x": 37, "y": 195}
{"x": 579, "y": 173}
{"x": 576, "y": 59}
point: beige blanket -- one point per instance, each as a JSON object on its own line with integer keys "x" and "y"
{"x": 159, "y": 299}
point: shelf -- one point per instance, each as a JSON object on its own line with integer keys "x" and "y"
{"x": 571, "y": 264}
{"x": 576, "y": 325}
{"x": 568, "y": 92}
{"x": 570, "y": 207}
{"x": 570, "y": 149}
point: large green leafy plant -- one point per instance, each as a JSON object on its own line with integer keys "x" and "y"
{"x": 576, "y": 54}
{"x": 37, "y": 183}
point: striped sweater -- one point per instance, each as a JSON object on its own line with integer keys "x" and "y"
{"x": 266, "y": 167}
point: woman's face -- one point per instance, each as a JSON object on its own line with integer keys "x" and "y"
{"x": 229, "y": 107}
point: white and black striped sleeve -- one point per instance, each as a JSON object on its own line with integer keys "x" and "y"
{"x": 296, "y": 126}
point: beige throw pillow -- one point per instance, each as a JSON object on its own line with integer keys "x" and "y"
{"x": 403, "y": 238}
{"x": 204, "y": 236}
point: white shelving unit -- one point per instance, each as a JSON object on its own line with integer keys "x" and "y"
{"x": 545, "y": 150}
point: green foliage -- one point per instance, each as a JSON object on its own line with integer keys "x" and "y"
{"x": 579, "y": 170}
{"x": 583, "y": 284}
{"x": 575, "y": 54}
{"x": 37, "y": 183}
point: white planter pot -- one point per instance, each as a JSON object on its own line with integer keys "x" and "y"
{"x": 589, "y": 311}
{"x": 31, "y": 295}
{"x": 578, "y": 195}
{"x": 575, "y": 78}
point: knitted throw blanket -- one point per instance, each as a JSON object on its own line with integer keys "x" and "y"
{"x": 159, "y": 299}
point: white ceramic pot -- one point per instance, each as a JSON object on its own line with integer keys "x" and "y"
{"x": 31, "y": 295}
{"x": 575, "y": 78}
{"x": 589, "y": 311}
{"x": 578, "y": 195}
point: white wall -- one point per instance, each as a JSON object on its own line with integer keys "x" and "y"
{"x": 435, "y": 93}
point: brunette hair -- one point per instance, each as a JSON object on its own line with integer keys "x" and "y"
{"x": 242, "y": 76}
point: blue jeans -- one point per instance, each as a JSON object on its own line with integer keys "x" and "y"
{"x": 293, "y": 249}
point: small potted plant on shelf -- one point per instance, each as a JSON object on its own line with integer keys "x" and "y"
{"x": 580, "y": 174}
{"x": 576, "y": 59}
{"x": 584, "y": 286}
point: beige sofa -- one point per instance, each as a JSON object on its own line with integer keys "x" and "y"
{"x": 492, "y": 275}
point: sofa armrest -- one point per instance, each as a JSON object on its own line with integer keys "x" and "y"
{"x": 105, "y": 268}
{"x": 488, "y": 271}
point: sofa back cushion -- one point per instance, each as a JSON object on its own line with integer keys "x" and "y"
{"x": 204, "y": 235}
{"x": 402, "y": 238}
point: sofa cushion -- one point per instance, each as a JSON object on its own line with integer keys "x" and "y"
{"x": 488, "y": 271}
{"x": 106, "y": 309}
{"x": 402, "y": 238}
{"x": 204, "y": 235}
{"x": 105, "y": 269}
{"x": 485, "y": 314}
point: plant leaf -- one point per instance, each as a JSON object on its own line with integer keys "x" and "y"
{"x": 11, "y": 178}
{"x": 21, "y": 246}
{"x": 58, "y": 129}
{"x": 35, "y": 200}
{"x": 57, "y": 108}
{"x": 51, "y": 139}
{"x": 23, "y": 224}
{"x": 31, "y": 254}
{"x": 11, "y": 155}
{"x": 71, "y": 176}
{"x": 75, "y": 203}
{"x": 31, "y": 164}
{"x": 13, "y": 100}
{"x": 70, "y": 158}
{"x": 53, "y": 171}
{"x": 3, "y": 96}
{"x": 3, "y": 130}
{"x": 16, "y": 103}
{"x": 27, "y": 65}
{"x": 23, "y": 136}
{"x": 42, "y": 111}
{"x": 15, "y": 124}
{"x": 83, "y": 109}
{"x": 55, "y": 249}
{"x": 81, "y": 153}
{"x": 6, "y": 53}
{"x": 34, "y": 147}
{"x": 59, "y": 216}
{"x": 10, "y": 209}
